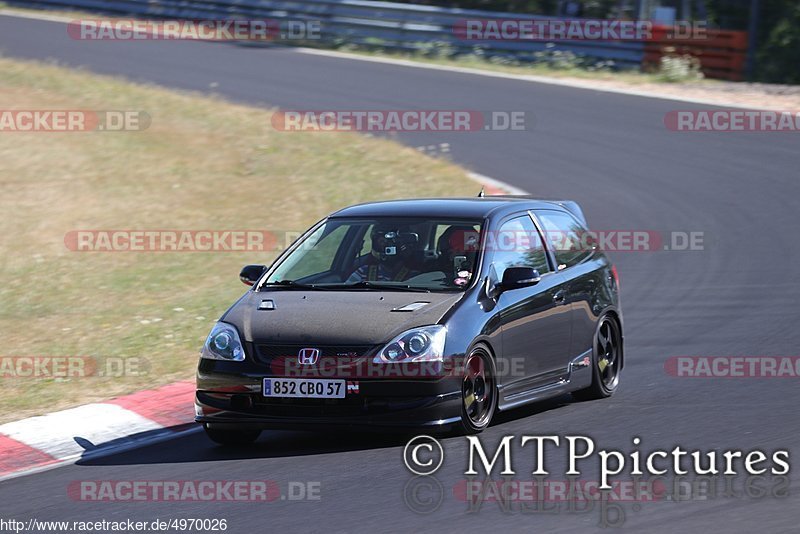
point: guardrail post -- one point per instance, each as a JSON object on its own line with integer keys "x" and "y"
{"x": 752, "y": 41}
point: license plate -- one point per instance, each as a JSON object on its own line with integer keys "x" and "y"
{"x": 305, "y": 388}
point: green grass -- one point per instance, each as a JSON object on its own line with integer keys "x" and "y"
{"x": 203, "y": 164}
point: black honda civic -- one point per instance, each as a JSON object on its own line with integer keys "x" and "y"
{"x": 428, "y": 314}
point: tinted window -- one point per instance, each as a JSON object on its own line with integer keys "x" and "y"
{"x": 517, "y": 244}
{"x": 432, "y": 254}
{"x": 570, "y": 241}
{"x": 316, "y": 255}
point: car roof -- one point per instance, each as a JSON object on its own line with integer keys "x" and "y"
{"x": 470, "y": 207}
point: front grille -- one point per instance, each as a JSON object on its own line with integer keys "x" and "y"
{"x": 267, "y": 352}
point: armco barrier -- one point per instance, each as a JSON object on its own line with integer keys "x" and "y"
{"x": 390, "y": 25}
{"x": 414, "y": 27}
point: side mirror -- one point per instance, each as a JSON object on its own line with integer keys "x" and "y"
{"x": 517, "y": 277}
{"x": 251, "y": 273}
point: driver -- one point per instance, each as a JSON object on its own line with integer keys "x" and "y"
{"x": 458, "y": 246}
{"x": 388, "y": 257}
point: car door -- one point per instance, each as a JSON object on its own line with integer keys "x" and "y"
{"x": 535, "y": 322}
{"x": 573, "y": 249}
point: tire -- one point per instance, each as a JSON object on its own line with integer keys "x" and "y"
{"x": 232, "y": 436}
{"x": 606, "y": 361}
{"x": 478, "y": 391}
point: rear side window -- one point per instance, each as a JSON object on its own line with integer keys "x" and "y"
{"x": 517, "y": 243}
{"x": 570, "y": 241}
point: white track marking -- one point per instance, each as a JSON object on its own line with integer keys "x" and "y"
{"x": 160, "y": 437}
{"x": 56, "y": 433}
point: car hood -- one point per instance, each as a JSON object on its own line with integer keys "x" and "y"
{"x": 335, "y": 317}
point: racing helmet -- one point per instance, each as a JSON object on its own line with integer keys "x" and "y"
{"x": 392, "y": 241}
{"x": 458, "y": 241}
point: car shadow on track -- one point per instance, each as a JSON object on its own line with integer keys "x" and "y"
{"x": 517, "y": 414}
{"x": 196, "y": 447}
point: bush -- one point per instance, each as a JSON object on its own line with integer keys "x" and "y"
{"x": 566, "y": 60}
{"x": 778, "y": 35}
{"x": 679, "y": 68}
{"x": 778, "y": 57}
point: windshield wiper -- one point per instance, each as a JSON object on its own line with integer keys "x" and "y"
{"x": 292, "y": 285}
{"x": 373, "y": 285}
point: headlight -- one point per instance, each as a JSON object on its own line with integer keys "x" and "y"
{"x": 223, "y": 343}
{"x": 425, "y": 344}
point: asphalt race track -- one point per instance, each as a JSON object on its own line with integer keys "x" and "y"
{"x": 612, "y": 153}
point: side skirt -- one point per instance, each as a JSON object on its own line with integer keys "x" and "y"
{"x": 578, "y": 375}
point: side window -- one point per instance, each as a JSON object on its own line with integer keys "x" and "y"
{"x": 571, "y": 242}
{"x": 517, "y": 244}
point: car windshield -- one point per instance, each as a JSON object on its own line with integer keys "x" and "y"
{"x": 414, "y": 254}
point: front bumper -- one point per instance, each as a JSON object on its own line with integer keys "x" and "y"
{"x": 230, "y": 395}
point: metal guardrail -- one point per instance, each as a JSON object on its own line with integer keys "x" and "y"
{"x": 390, "y": 25}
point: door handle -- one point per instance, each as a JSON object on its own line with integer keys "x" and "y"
{"x": 560, "y": 297}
